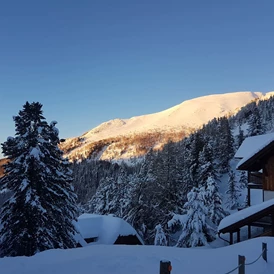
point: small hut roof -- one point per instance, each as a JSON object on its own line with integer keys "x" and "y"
{"x": 104, "y": 227}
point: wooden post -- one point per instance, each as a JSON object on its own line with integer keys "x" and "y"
{"x": 264, "y": 250}
{"x": 238, "y": 236}
{"x": 241, "y": 263}
{"x": 272, "y": 224}
{"x": 165, "y": 267}
{"x": 248, "y": 193}
{"x": 231, "y": 238}
{"x": 249, "y": 232}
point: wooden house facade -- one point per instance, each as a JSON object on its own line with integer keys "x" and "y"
{"x": 256, "y": 156}
{"x": 260, "y": 167}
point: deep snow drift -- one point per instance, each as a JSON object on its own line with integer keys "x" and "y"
{"x": 113, "y": 259}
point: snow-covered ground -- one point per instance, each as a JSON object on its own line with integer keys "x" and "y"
{"x": 114, "y": 259}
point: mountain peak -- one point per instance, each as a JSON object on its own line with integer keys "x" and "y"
{"x": 186, "y": 116}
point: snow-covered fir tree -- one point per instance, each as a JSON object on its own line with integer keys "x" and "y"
{"x": 143, "y": 211}
{"x": 243, "y": 181}
{"x": 240, "y": 137}
{"x": 194, "y": 145}
{"x": 233, "y": 192}
{"x": 197, "y": 228}
{"x": 40, "y": 213}
{"x": 224, "y": 149}
{"x": 168, "y": 185}
{"x": 160, "y": 237}
{"x": 255, "y": 123}
{"x": 214, "y": 202}
{"x": 104, "y": 201}
{"x": 207, "y": 167}
{"x": 140, "y": 212}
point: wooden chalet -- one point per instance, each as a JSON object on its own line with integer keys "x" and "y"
{"x": 256, "y": 156}
{"x": 258, "y": 160}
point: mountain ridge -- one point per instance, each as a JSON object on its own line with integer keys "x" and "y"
{"x": 184, "y": 117}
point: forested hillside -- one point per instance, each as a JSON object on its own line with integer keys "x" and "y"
{"x": 158, "y": 193}
{"x": 166, "y": 185}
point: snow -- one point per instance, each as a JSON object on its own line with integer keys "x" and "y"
{"x": 24, "y": 184}
{"x": 90, "y": 226}
{"x": 177, "y": 219}
{"x": 35, "y": 152}
{"x": 267, "y": 95}
{"x": 78, "y": 237}
{"x": 256, "y": 196}
{"x": 119, "y": 259}
{"x": 40, "y": 129}
{"x": 4, "y": 190}
{"x": 189, "y": 114}
{"x": 104, "y": 227}
{"x": 253, "y": 145}
{"x": 160, "y": 237}
{"x": 244, "y": 213}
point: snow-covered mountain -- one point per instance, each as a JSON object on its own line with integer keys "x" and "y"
{"x": 108, "y": 139}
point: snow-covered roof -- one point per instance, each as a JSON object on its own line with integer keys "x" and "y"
{"x": 104, "y": 227}
{"x": 243, "y": 214}
{"x": 251, "y": 144}
{"x": 255, "y": 145}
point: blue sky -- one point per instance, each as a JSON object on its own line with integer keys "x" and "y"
{"x": 90, "y": 61}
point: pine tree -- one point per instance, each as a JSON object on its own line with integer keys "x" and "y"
{"x": 195, "y": 147}
{"x": 142, "y": 211}
{"x": 243, "y": 181}
{"x": 233, "y": 192}
{"x": 206, "y": 165}
{"x": 214, "y": 202}
{"x": 197, "y": 230}
{"x": 104, "y": 202}
{"x": 160, "y": 237}
{"x": 240, "y": 137}
{"x": 169, "y": 184}
{"x": 255, "y": 123}
{"x": 224, "y": 149}
{"x": 41, "y": 211}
